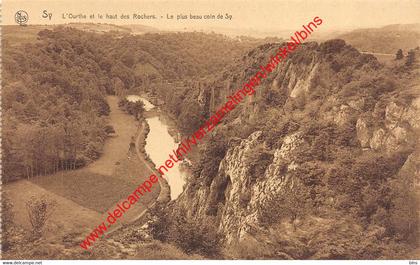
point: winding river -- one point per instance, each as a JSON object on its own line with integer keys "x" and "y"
{"x": 159, "y": 144}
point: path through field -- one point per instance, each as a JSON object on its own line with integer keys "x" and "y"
{"x": 116, "y": 147}
{"x": 83, "y": 196}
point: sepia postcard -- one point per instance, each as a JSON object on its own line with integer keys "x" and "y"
{"x": 210, "y": 130}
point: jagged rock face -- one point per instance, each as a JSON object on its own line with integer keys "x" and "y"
{"x": 364, "y": 134}
{"x": 300, "y": 86}
{"x": 235, "y": 197}
{"x": 239, "y": 215}
{"x": 238, "y": 197}
{"x": 396, "y": 131}
{"x": 239, "y": 218}
{"x": 233, "y": 168}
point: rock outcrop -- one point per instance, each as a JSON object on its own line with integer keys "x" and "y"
{"x": 317, "y": 83}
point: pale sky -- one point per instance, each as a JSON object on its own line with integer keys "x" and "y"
{"x": 263, "y": 15}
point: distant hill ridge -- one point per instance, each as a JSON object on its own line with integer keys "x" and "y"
{"x": 387, "y": 39}
{"x": 105, "y": 27}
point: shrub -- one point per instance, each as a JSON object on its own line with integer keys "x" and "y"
{"x": 411, "y": 57}
{"x": 7, "y": 221}
{"x": 399, "y": 55}
{"x": 39, "y": 211}
{"x": 190, "y": 236}
{"x": 258, "y": 160}
{"x": 293, "y": 203}
{"x": 109, "y": 129}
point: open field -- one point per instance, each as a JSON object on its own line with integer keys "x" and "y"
{"x": 68, "y": 216}
{"x": 90, "y": 190}
{"x": 115, "y": 148}
{"x": 84, "y": 196}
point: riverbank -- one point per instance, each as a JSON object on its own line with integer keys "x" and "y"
{"x": 173, "y": 130}
{"x": 116, "y": 147}
{"x": 163, "y": 191}
{"x": 135, "y": 215}
{"x": 162, "y": 139}
{"x": 85, "y": 193}
{"x": 164, "y": 195}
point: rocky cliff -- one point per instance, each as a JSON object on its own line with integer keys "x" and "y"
{"x": 313, "y": 166}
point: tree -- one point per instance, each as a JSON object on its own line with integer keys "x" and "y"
{"x": 159, "y": 223}
{"x": 109, "y": 129}
{"x": 258, "y": 161}
{"x": 7, "y": 221}
{"x": 39, "y": 211}
{"x": 403, "y": 212}
{"x": 189, "y": 235}
{"x": 135, "y": 108}
{"x": 293, "y": 202}
{"x": 410, "y": 58}
{"x": 399, "y": 55}
{"x": 190, "y": 117}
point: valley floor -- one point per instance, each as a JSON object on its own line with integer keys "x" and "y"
{"x": 84, "y": 196}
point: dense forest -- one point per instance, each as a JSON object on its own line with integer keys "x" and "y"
{"x": 54, "y": 104}
{"x": 319, "y": 164}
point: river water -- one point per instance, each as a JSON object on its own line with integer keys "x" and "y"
{"x": 159, "y": 144}
{"x": 147, "y": 105}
